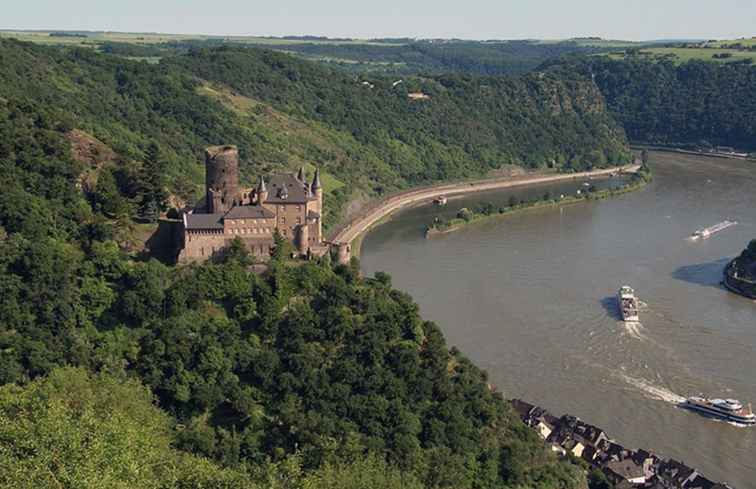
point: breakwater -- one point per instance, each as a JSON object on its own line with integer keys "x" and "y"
{"x": 365, "y": 220}
{"x": 466, "y": 216}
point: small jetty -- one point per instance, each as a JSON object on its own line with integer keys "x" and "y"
{"x": 704, "y": 233}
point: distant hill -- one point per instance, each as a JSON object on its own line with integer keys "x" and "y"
{"x": 695, "y": 104}
{"x": 369, "y": 136}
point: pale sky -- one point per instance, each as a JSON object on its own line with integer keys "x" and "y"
{"x": 470, "y": 19}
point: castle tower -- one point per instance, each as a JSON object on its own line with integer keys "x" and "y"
{"x": 303, "y": 238}
{"x": 343, "y": 253}
{"x": 221, "y": 178}
{"x": 301, "y": 175}
{"x": 317, "y": 189}
{"x": 262, "y": 192}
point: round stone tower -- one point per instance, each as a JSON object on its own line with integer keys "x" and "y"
{"x": 221, "y": 178}
{"x": 303, "y": 238}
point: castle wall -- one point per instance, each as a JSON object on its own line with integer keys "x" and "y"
{"x": 202, "y": 245}
{"x": 288, "y": 217}
{"x": 199, "y": 245}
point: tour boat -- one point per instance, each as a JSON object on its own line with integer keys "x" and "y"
{"x": 726, "y": 409}
{"x": 628, "y": 303}
{"x": 440, "y": 200}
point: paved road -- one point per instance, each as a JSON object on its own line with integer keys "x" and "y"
{"x": 362, "y": 222}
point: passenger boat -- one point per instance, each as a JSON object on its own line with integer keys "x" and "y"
{"x": 440, "y": 200}
{"x": 628, "y": 303}
{"x": 704, "y": 233}
{"x": 730, "y": 410}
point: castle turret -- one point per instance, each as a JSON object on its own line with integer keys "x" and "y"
{"x": 301, "y": 175}
{"x": 262, "y": 191}
{"x": 221, "y": 178}
{"x": 317, "y": 189}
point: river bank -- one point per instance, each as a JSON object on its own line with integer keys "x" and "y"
{"x": 533, "y": 303}
{"x": 739, "y": 273}
{"x": 363, "y": 222}
{"x": 639, "y": 179}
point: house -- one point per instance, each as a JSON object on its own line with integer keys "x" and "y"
{"x": 676, "y": 473}
{"x": 625, "y": 470}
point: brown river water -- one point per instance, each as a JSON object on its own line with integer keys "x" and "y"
{"x": 530, "y": 298}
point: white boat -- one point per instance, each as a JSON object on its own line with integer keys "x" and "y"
{"x": 628, "y": 303}
{"x": 704, "y": 233}
{"x": 440, "y": 200}
{"x": 730, "y": 410}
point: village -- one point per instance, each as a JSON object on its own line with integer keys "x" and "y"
{"x": 571, "y": 437}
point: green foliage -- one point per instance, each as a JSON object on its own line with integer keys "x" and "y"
{"x": 523, "y": 120}
{"x": 305, "y": 361}
{"x": 372, "y": 140}
{"x": 73, "y": 429}
{"x": 152, "y": 184}
{"x": 666, "y": 103}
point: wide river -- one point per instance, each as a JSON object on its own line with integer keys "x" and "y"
{"x": 530, "y": 298}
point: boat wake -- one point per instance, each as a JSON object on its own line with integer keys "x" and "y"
{"x": 635, "y": 330}
{"x": 653, "y": 391}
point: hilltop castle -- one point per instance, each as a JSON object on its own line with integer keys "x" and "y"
{"x": 286, "y": 202}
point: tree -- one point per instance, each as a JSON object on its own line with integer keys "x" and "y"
{"x": 282, "y": 247}
{"x": 238, "y": 253}
{"x": 75, "y": 429}
{"x": 152, "y": 182}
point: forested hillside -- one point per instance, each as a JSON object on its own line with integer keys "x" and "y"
{"x": 695, "y": 103}
{"x": 305, "y": 376}
{"x": 370, "y": 137}
{"x": 404, "y": 56}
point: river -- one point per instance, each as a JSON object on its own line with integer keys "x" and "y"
{"x": 529, "y": 297}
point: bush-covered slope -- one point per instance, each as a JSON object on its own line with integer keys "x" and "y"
{"x": 693, "y": 103}
{"x": 371, "y": 140}
{"x": 304, "y": 361}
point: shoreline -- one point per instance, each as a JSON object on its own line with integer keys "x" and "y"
{"x": 363, "y": 223}
{"x": 736, "y": 287}
{"x": 458, "y": 223}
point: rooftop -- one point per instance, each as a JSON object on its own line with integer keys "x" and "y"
{"x": 285, "y": 188}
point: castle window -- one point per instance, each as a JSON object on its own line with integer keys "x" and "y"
{"x": 241, "y": 221}
{"x": 299, "y": 220}
{"x": 283, "y": 220}
{"x": 299, "y": 207}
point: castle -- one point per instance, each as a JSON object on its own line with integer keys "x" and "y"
{"x": 286, "y": 203}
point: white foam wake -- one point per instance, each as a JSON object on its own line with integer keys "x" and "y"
{"x": 653, "y": 391}
{"x": 635, "y": 329}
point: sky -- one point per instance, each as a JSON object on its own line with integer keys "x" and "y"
{"x": 466, "y": 19}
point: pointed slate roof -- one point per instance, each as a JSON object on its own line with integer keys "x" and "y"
{"x": 316, "y": 180}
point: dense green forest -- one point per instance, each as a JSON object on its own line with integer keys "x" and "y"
{"x": 131, "y": 373}
{"x": 370, "y": 138}
{"x": 696, "y": 103}
{"x": 409, "y": 56}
